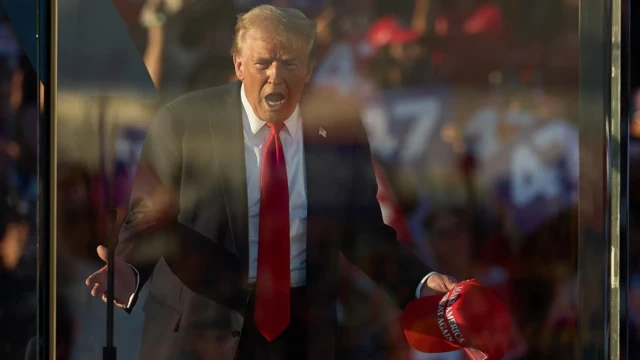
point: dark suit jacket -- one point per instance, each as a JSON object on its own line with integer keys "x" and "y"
{"x": 187, "y": 227}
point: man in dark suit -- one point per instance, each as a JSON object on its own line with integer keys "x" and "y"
{"x": 245, "y": 196}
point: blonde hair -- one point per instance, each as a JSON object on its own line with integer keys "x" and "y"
{"x": 286, "y": 25}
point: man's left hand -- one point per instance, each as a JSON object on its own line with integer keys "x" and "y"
{"x": 437, "y": 284}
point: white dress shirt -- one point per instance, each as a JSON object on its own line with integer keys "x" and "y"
{"x": 256, "y": 134}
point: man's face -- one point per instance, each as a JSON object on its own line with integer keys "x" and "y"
{"x": 274, "y": 74}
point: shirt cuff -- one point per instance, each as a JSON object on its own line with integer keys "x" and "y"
{"x": 133, "y": 296}
{"x": 424, "y": 279}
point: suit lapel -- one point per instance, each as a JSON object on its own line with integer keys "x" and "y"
{"x": 324, "y": 163}
{"x": 312, "y": 143}
{"x": 318, "y": 248}
{"x": 228, "y": 141}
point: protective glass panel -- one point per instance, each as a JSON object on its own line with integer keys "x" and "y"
{"x": 431, "y": 136}
{"x": 20, "y": 113}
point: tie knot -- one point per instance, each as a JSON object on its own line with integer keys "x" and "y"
{"x": 275, "y": 127}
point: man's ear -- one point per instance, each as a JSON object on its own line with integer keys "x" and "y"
{"x": 238, "y": 64}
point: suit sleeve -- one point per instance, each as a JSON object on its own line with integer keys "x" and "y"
{"x": 152, "y": 231}
{"x": 372, "y": 245}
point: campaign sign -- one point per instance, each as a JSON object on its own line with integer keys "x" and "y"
{"x": 535, "y": 174}
{"x": 401, "y": 123}
{"x": 533, "y": 171}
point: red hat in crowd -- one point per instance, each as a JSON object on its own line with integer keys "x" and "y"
{"x": 468, "y": 317}
{"x": 388, "y": 30}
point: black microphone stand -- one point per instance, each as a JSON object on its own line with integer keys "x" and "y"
{"x": 109, "y": 351}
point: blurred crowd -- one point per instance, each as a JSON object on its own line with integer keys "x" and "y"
{"x": 471, "y": 110}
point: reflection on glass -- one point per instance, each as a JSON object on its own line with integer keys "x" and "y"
{"x": 18, "y": 194}
{"x": 634, "y": 231}
{"x": 469, "y": 109}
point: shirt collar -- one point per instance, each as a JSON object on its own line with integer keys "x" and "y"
{"x": 256, "y": 123}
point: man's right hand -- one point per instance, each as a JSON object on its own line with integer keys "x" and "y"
{"x": 124, "y": 277}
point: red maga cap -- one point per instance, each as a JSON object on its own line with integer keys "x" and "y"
{"x": 468, "y": 317}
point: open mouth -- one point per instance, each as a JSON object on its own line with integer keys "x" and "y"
{"x": 274, "y": 100}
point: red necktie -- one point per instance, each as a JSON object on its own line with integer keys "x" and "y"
{"x": 273, "y": 282}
